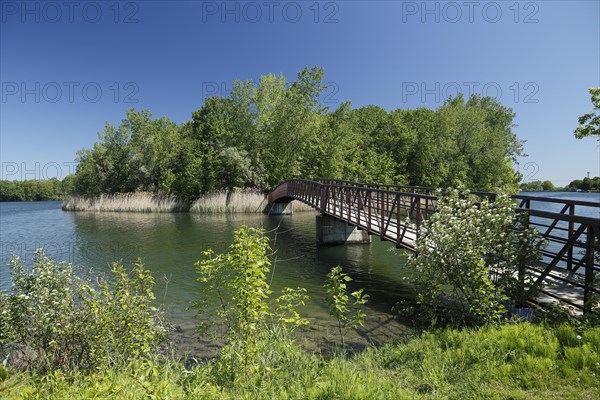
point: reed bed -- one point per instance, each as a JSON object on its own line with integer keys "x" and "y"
{"x": 240, "y": 202}
{"x": 125, "y": 202}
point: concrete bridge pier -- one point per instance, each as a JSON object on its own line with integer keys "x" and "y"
{"x": 280, "y": 209}
{"x": 331, "y": 230}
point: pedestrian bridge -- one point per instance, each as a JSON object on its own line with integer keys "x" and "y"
{"x": 352, "y": 212}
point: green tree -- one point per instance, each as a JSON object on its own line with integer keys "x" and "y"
{"x": 399, "y": 141}
{"x": 327, "y": 154}
{"x": 105, "y": 168}
{"x": 548, "y": 186}
{"x": 426, "y": 161}
{"x": 34, "y": 190}
{"x": 589, "y": 124}
{"x": 586, "y": 184}
{"x": 533, "y": 186}
{"x": 576, "y": 184}
{"x": 152, "y": 146}
{"x": 135, "y": 156}
{"x": 477, "y": 144}
{"x": 371, "y": 160}
{"x": 293, "y": 126}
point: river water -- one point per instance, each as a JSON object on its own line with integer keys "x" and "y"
{"x": 169, "y": 244}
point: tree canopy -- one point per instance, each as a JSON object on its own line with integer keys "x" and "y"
{"x": 265, "y": 133}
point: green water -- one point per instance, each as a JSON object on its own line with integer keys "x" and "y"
{"x": 169, "y": 244}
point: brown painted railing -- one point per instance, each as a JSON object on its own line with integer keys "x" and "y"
{"x": 568, "y": 260}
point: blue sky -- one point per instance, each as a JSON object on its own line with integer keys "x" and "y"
{"x": 66, "y": 68}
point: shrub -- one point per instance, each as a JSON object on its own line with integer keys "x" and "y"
{"x": 472, "y": 257}
{"x": 125, "y": 323}
{"x": 55, "y": 320}
{"x": 238, "y": 281}
{"x": 349, "y": 315}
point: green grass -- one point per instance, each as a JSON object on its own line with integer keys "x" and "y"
{"x": 520, "y": 361}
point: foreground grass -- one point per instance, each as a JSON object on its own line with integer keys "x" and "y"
{"x": 521, "y": 361}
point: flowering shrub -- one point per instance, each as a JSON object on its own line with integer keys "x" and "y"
{"x": 472, "y": 257}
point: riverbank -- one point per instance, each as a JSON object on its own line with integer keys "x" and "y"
{"x": 518, "y": 361}
{"x": 221, "y": 202}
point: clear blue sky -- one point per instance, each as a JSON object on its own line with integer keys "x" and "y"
{"x": 166, "y": 56}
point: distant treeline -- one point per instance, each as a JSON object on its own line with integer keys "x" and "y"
{"x": 578, "y": 184}
{"x": 35, "y": 190}
{"x": 537, "y": 186}
{"x": 585, "y": 184}
{"x": 265, "y": 133}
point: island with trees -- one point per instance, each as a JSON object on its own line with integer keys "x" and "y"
{"x": 263, "y": 134}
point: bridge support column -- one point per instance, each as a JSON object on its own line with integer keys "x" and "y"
{"x": 331, "y": 230}
{"x": 280, "y": 209}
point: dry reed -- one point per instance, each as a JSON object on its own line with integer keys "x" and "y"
{"x": 125, "y": 202}
{"x": 240, "y": 202}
